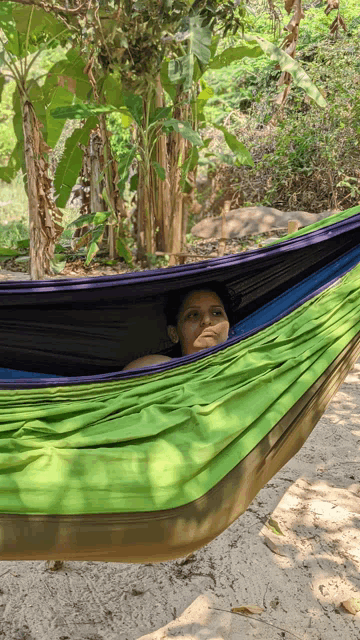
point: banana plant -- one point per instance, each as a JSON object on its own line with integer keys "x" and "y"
{"x": 23, "y": 40}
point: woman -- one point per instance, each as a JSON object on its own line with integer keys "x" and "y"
{"x": 198, "y": 319}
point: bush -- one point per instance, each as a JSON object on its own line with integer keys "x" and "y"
{"x": 309, "y": 158}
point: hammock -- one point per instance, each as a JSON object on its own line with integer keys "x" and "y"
{"x": 152, "y": 464}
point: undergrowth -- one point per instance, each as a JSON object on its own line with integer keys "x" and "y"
{"x": 306, "y": 158}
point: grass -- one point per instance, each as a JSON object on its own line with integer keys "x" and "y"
{"x": 13, "y": 213}
{"x": 14, "y": 224}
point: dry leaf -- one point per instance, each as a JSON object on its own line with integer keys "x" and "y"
{"x": 54, "y": 565}
{"x": 274, "y": 527}
{"x": 352, "y": 605}
{"x": 248, "y": 609}
{"x": 274, "y": 547}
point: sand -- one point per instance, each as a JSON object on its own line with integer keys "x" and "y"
{"x": 300, "y": 579}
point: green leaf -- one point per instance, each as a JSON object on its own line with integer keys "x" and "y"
{"x": 69, "y": 167}
{"x": 181, "y": 70}
{"x": 126, "y": 119}
{"x": 36, "y": 97}
{"x": 242, "y": 154}
{"x": 64, "y": 81}
{"x": 198, "y": 107}
{"x": 205, "y": 94}
{"x": 159, "y": 170}
{"x": 112, "y": 90}
{"x": 94, "y": 247}
{"x": 185, "y": 129}
{"x": 134, "y": 105}
{"x": 134, "y": 181}
{"x": 124, "y": 252}
{"x": 200, "y": 41}
{"x": 55, "y": 126}
{"x": 74, "y": 69}
{"x": 80, "y": 111}
{"x": 8, "y": 173}
{"x": 40, "y": 21}
{"x": 274, "y": 527}
{"x": 58, "y": 263}
{"x": 82, "y": 221}
{"x": 7, "y": 25}
{"x": 101, "y": 217}
{"x": 23, "y": 244}
{"x": 234, "y": 53}
{"x": 166, "y": 82}
{"x": 4, "y": 251}
{"x": 59, "y": 248}
{"x": 286, "y": 63}
{"x": 191, "y": 161}
{"x": 159, "y": 114}
{"x": 214, "y": 45}
{"x": 6, "y": 16}
{"x": 124, "y": 168}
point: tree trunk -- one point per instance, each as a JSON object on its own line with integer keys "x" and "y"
{"x": 146, "y": 205}
{"x": 161, "y": 219}
{"x": 44, "y": 217}
{"x": 162, "y": 187}
{"x": 178, "y": 148}
{"x": 95, "y": 177}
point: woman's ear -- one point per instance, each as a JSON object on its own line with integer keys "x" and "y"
{"x": 173, "y": 334}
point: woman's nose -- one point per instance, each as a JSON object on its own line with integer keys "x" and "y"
{"x": 206, "y": 319}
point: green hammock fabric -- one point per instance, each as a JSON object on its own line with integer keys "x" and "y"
{"x": 165, "y": 439}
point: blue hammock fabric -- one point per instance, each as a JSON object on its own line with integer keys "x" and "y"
{"x": 264, "y": 316}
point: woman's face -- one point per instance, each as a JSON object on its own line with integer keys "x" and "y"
{"x": 202, "y": 322}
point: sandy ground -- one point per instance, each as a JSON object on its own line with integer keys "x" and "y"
{"x": 300, "y": 583}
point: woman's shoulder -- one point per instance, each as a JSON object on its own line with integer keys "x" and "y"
{"x": 146, "y": 361}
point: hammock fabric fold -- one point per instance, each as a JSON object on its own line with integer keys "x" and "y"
{"x": 152, "y": 464}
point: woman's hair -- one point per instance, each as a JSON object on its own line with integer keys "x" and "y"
{"x": 176, "y": 299}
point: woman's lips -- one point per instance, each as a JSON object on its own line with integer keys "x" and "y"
{"x": 208, "y": 332}
{"x": 206, "y": 338}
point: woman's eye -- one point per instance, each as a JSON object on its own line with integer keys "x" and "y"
{"x": 217, "y": 313}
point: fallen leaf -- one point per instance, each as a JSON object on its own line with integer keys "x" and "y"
{"x": 274, "y": 527}
{"x": 248, "y": 609}
{"x": 274, "y": 547}
{"x": 54, "y": 565}
{"x": 352, "y": 605}
{"x": 189, "y": 558}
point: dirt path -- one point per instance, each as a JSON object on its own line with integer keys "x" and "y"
{"x": 315, "y": 500}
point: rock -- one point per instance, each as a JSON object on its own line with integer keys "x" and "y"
{"x": 253, "y": 220}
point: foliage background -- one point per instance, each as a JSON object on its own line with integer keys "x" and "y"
{"x": 307, "y": 160}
